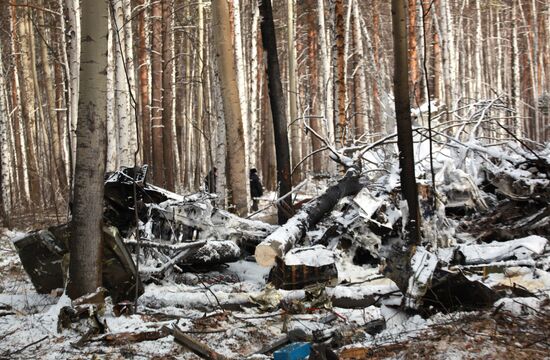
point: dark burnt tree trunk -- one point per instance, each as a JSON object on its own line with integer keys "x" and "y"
{"x": 403, "y": 115}
{"x": 398, "y": 264}
{"x": 86, "y": 225}
{"x": 276, "y": 98}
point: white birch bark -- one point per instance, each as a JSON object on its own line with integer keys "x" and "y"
{"x": 241, "y": 81}
{"x": 125, "y": 150}
{"x": 254, "y": 90}
{"x": 112, "y": 137}
{"x": 174, "y": 145}
{"x": 540, "y": 129}
{"x": 4, "y": 141}
{"x": 295, "y": 138}
{"x": 131, "y": 131}
{"x": 447, "y": 46}
{"x": 67, "y": 85}
{"x": 73, "y": 52}
{"x": 347, "y": 42}
{"x": 515, "y": 73}
{"x": 477, "y": 54}
{"x": 499, "y": 61}
{"x": 17, "y": 116}
{"x": 326, "y": 73}
{"x": 362, "y": 98}
{"x": 220, "y": 141}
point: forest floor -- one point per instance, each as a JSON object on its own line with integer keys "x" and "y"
{"x": 490, "y": 298}
{"x": 517, "y": 329}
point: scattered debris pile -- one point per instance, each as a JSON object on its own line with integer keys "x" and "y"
{"x": 317, "y": 283}
{"x": 175, "y": 232}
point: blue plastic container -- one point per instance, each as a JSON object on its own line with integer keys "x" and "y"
{"x": 294, "y": 351}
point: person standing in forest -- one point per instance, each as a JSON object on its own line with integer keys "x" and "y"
{"x": 256, "y": 188}
{"x": 210, "y": 180}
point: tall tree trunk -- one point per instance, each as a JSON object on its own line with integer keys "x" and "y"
{"x": 5, "y": 188}
{"x": 376, "y": 125}
{"x": 515, "y": 73}
{"x": 360, "y": 78}
{"x": 56, "y": 159}
{"x": 86, "y": 225}
{"x": 404, "y": 128}
{"x": 157, "y": 133}
{"x": 241, "y": 66}
{"x": 236, "y": 168}
{"x": 340, "y": 69}
{"x": 477, "y": 53}
{"x": 326, "y": 80}
{"x": 413, "y": 55}
{"x": 276, "y": 97}
{"x": 292, "y": 93}
{"x": 73, "y": 67}
{"x": 315, "y": 92}
{"x": 167, "y": 94}
{"x": 19, "y": 140}
{"x": 143, "y": 66}
{"x": 28, "y": 105}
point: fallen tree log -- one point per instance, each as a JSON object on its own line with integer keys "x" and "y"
{"x": 284, "y": 238}
{"x": 197, "y": 347}
{"x": 128, "y": 337}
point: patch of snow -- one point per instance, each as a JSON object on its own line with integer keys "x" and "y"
{"x": 315, "y": 256}
{"x": 520, "y": 306}
{"x": 423, "y": 264}
{"x": 523, "y": 248}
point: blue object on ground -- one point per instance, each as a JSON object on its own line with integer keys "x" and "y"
{"x": 294, "y": 351}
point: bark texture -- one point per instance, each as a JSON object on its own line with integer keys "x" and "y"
{"x": 276, "y": 98}
{"x": 86, "y": 228}
{"x": 284, "y": 238}
{"x": 236, "y": 172}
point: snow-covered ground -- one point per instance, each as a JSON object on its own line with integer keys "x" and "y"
{"x": 231, "y": 310}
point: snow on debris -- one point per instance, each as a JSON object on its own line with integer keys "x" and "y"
{"x": 523, "y": 248}
{"x": 315, "y": 256}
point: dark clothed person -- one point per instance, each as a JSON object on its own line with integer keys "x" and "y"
{"x": 256, "y": 188}
{"x": 210, "y": 180}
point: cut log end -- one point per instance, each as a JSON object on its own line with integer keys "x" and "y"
{"x": 266, "y": 255}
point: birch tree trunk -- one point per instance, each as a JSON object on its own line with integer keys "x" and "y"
{"x": 361, "y": 82}
{"x": 19, "y": 139}
{"x": 167, "y": 95}
{"x": 236, "y": 169}
{"x": 377, "y": 124}
{"x": 515, "y": 78}
{"x": 54, "y": 136}
{"x": 5, "y": 189}
{"x": 221, "y": 146}
{"x": 326, "y": 85}
{"x": 157, "y": 133}
{"x": 241, "y": 77}
{"x": 295, "y": 138}
{"x": 73, "y": 53}
{"x": 315, "y": 89}
{"x": 28, "y": 106}
{"x": 447, "y": 45}
{"x": 255, "y": 91}
{"x": 413, "y": 55}
{"x": 112, "y": 122}
{"x": 144, "y": 90}
{"x": 477, "y": 54}
{"x": 86, "y": 225}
